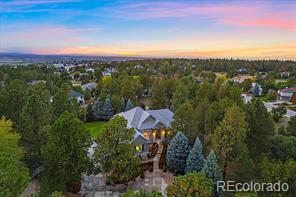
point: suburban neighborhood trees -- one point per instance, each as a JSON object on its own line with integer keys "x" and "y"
{"x": 195, "y": 159}
{"x": 65, "y": 153}
{"x": 13, "y": 175}
{"x": 180, "y": 95}
{"x": 129, "y": 105}
{"x": 192, "y": 184}
{"x": 177, "y": 153}
{"x": 12, "y": 100}
{"x": 61, "y": 103}
{"x": 184, "y": 121}
{"x": 107, "y": 108}
{"x": 278, "y": 112}
{"x": 211, "y": 168}
{"x": 115, "y": 152}
{"x": 291, "y": 129}
{"x": 229, "y": 136}
{"x": 260, "y": 129}
{"x": 33, "y": 118}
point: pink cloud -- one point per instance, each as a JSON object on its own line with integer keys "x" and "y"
{"x": 271, "y": 22}
{"x": 45, "y": 34}
{"x": 232, "y": 14}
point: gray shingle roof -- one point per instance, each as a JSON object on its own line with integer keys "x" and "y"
{"x": 140, "y": 119}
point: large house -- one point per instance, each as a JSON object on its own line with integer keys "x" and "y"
{"x": 150, "y": 126}
{"x": 74, "y": 94}
{"x": 286, "y": 94}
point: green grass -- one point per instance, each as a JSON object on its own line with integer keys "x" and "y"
{"x": 94, "y": 128}
{"x": 263, "y": 98}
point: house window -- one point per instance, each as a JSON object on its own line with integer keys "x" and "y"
{"x": 139, "y": 147}
{"x": 146, "y": 135}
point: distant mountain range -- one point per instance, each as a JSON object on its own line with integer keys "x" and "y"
{"x": 22, "y": 58}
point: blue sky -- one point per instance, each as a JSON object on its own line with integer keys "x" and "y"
{"x": 238, "y": 29}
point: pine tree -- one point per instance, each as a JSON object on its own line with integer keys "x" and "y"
{"x": 98, "y": 109}
{"x": 122, "y": 104}
{"x": 61, "y": 103}
{"x": 260, "y": 129}
{"x": 195, "y": 160}
{"x": 108, "y": 109}
{"x": 211, "y": 168}
{"x": 129, "y": 105}
{"x": 90, "y": 113}
{"x": 177, "y": 153}
{"x": 33, "y": 118}
{"x": 184, "y": 120}
{"x": 228, "y": 140}
{"x": 180, "y": 95}
{"x": 65, "y": 154}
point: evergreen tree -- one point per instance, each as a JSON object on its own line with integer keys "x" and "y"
{"x": 98, "y": 109}
{"x": 12, "y": 100}
{"x": 291, "y": 129}
{"x": 211, "y": 168}
{"x": 108, "y": 108}
{"x": 177, "y": 153}
{"x": 195, "y": 159}
{"x": 122, "y": 104}
{"x": 200, "y": 112}
{"x": 33, "y": 118}
{"x": 129, "y": 105}
{"x": 184, "y": 121}
{"x": 89, "y": 113}
{"x": 61, "y": 103}
{"x": 228, "y": 140}
{"x": 180, "y": 95}
{"x": 260, "y": 129}
{"x": 65, "y": 154}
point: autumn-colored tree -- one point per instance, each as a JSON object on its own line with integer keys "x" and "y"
{"x": 192, "y": 184}
{"x": 293, "y": 99}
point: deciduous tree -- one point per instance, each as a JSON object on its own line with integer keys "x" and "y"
{"x": 13, "y": 175}
{"x": 192, "y": 184}
{"x": 115, "y": 152}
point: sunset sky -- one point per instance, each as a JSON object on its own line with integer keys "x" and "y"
{"x": 217, "y": 29}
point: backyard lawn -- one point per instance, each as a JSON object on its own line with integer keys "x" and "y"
{"x": 94, "y": 128}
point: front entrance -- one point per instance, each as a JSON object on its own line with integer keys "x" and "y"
{"x": 158, "y": 134}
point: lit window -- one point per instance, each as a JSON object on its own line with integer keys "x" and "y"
{"x": 146, "y": 135}
{"x": 138, "y": 147}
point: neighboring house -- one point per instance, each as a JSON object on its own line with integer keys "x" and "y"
{"x": 260, "y": 88}
{"x": 286, "y": 94}
{"x": 35, "y": 82}
{"x": 150, "y": 126}
{"x": 89, "y": 86}
{"x": 91, "y": 70}
{"x": 79, "y": 97}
